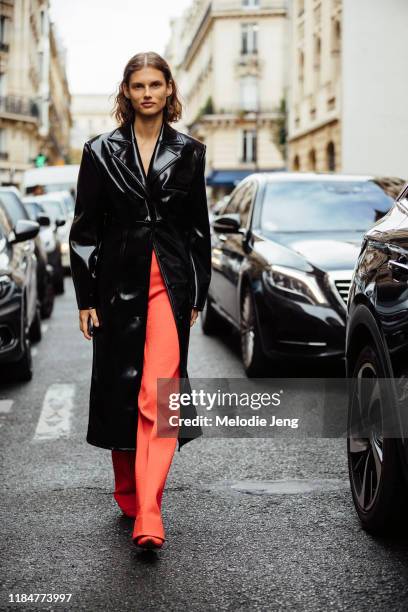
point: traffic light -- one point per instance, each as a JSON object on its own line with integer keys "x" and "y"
{"x": 40, "y": 160}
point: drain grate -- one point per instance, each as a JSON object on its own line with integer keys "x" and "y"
{"x": 280, "y": 487}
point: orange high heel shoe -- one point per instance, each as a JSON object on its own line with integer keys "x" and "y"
{"x": 148, "y": 542}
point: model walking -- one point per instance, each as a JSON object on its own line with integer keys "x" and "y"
{"x": 141, "y": 266}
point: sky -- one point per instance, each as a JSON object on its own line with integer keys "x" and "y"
{"x": 100, "y": 36}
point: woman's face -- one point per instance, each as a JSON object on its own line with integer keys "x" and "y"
{"x": 147, "y": 91}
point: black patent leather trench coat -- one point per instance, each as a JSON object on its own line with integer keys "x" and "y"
{"x": 120, "y": 216}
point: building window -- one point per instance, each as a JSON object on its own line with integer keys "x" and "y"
{"x": 249, "y": 93}
{"x": 335, "y": 47}
{"x": 331, "y": 157}
{"x": 249, "y": 38}
{"x": 250, "y": 3}
{"x": 317, "y": 60}
{"x": 296, "y": 163}
{"x": 249, "y": 146}
{"x": 312, "y": 160}
{"x": 3, "y": 147}
{"x": 301, "y": 72}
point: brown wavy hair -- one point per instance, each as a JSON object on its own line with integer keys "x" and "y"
{"x": 123, "y": 110}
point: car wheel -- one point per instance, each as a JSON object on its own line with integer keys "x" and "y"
{"x": 378, "y": 487}
{"x": 35, "y": 329}
{"x": 59, "y": 282}
{"x": 22, "y": 370}
{"x": 47, "y": 304}
{"x": 210, "y": 319}
{"x": 253, "y": 357}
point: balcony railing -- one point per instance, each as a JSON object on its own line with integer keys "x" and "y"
{"x": 19, "y": 105}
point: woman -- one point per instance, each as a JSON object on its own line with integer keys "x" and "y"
{"x": 141, "y": 266}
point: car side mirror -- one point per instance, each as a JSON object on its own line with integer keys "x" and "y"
{"x": 59, "y": 222}
{"x": 227, "y": 224}
{"x": 25, "y": 230}
{"x": 43, "y": 220}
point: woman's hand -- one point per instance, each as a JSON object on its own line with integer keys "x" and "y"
{"x": 84, "y": 316}
{"x": 194, "y": 315}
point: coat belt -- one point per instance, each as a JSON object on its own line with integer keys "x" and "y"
{"x": 113, "y": 220}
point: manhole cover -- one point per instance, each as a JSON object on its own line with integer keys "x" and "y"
{"x": 281, "y": 487}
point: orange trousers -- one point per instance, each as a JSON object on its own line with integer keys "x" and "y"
{"x": 140, "y": 475}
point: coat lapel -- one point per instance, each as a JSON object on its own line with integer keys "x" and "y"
{"x": 166, "y": 152}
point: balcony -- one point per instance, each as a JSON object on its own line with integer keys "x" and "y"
{"x": 19, "y": 106}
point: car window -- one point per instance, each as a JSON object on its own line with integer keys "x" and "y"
{"x": 14, "y": 208}
{"x": 34, "y": 209}
{"x": 240, "y": 201}
{"x": 4, "y": 221}
{"x": 329, "y": 205}
{"x": 233, "y": 202}
{"x": 54, "y": 209}
{"x": 245, "y": 203}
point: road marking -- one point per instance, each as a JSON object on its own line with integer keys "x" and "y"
{"x": 34, "y": 351}
{"x": 44, "y": 327}
{"x": 5, "y": 405}
{"x": 55, "y": 417}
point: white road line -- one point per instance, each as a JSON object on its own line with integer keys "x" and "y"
{"x": 55, "y": 417}
{"x": 5, "y": 405}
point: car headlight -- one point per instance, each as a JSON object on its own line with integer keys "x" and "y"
{"x": 295, "y": 283}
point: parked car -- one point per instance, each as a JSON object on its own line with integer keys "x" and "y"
{"x": 283, "y": 254}
{"x": 20, "y": 321}
{"x": 49, "y": 235}
{"x": 59, "y": 205}
{"x": 16, "y": 210}
{"x": 51, "y": 178}
{"x": 377, "y": 366}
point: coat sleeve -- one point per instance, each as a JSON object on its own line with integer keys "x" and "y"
{"x": 200, "y": 237}
{"x": 84, "y": 236}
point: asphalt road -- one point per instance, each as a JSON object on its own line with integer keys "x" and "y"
{"x": 236, "y": 538}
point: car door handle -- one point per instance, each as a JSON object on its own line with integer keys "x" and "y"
{"x": 399, "y": 270}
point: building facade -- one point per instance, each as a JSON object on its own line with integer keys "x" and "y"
{"x": 314, "y": 98}
{"x": 230, "y": 58}
{"x": 348, "y": 92}
{"x": 91, "y": 115}
{"x": 34, "y": 96}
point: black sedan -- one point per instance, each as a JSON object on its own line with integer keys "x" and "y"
{"x": 284, "y": 249}
{"x": 377, "y": 368}
{"x": 19, "y": 314}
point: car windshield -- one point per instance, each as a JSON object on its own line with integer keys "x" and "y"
{"x": 54, "y": 209}
{"x": 312, "y": 206}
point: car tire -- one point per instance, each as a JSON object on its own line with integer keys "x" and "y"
{"x": 210, "y": 320}
{"x": 22, "y": 370}
{"x": 59, "y": 286}
{"x": 253, "y": 358}
{"x": 35, "y": 329}
{"x": 47, "y": 305}
{"x": 378, "y": 486}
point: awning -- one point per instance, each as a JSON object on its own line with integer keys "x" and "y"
{"x": 230, "y": 178}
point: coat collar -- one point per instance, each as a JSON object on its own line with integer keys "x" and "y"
{"x": 166, "y": 152}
